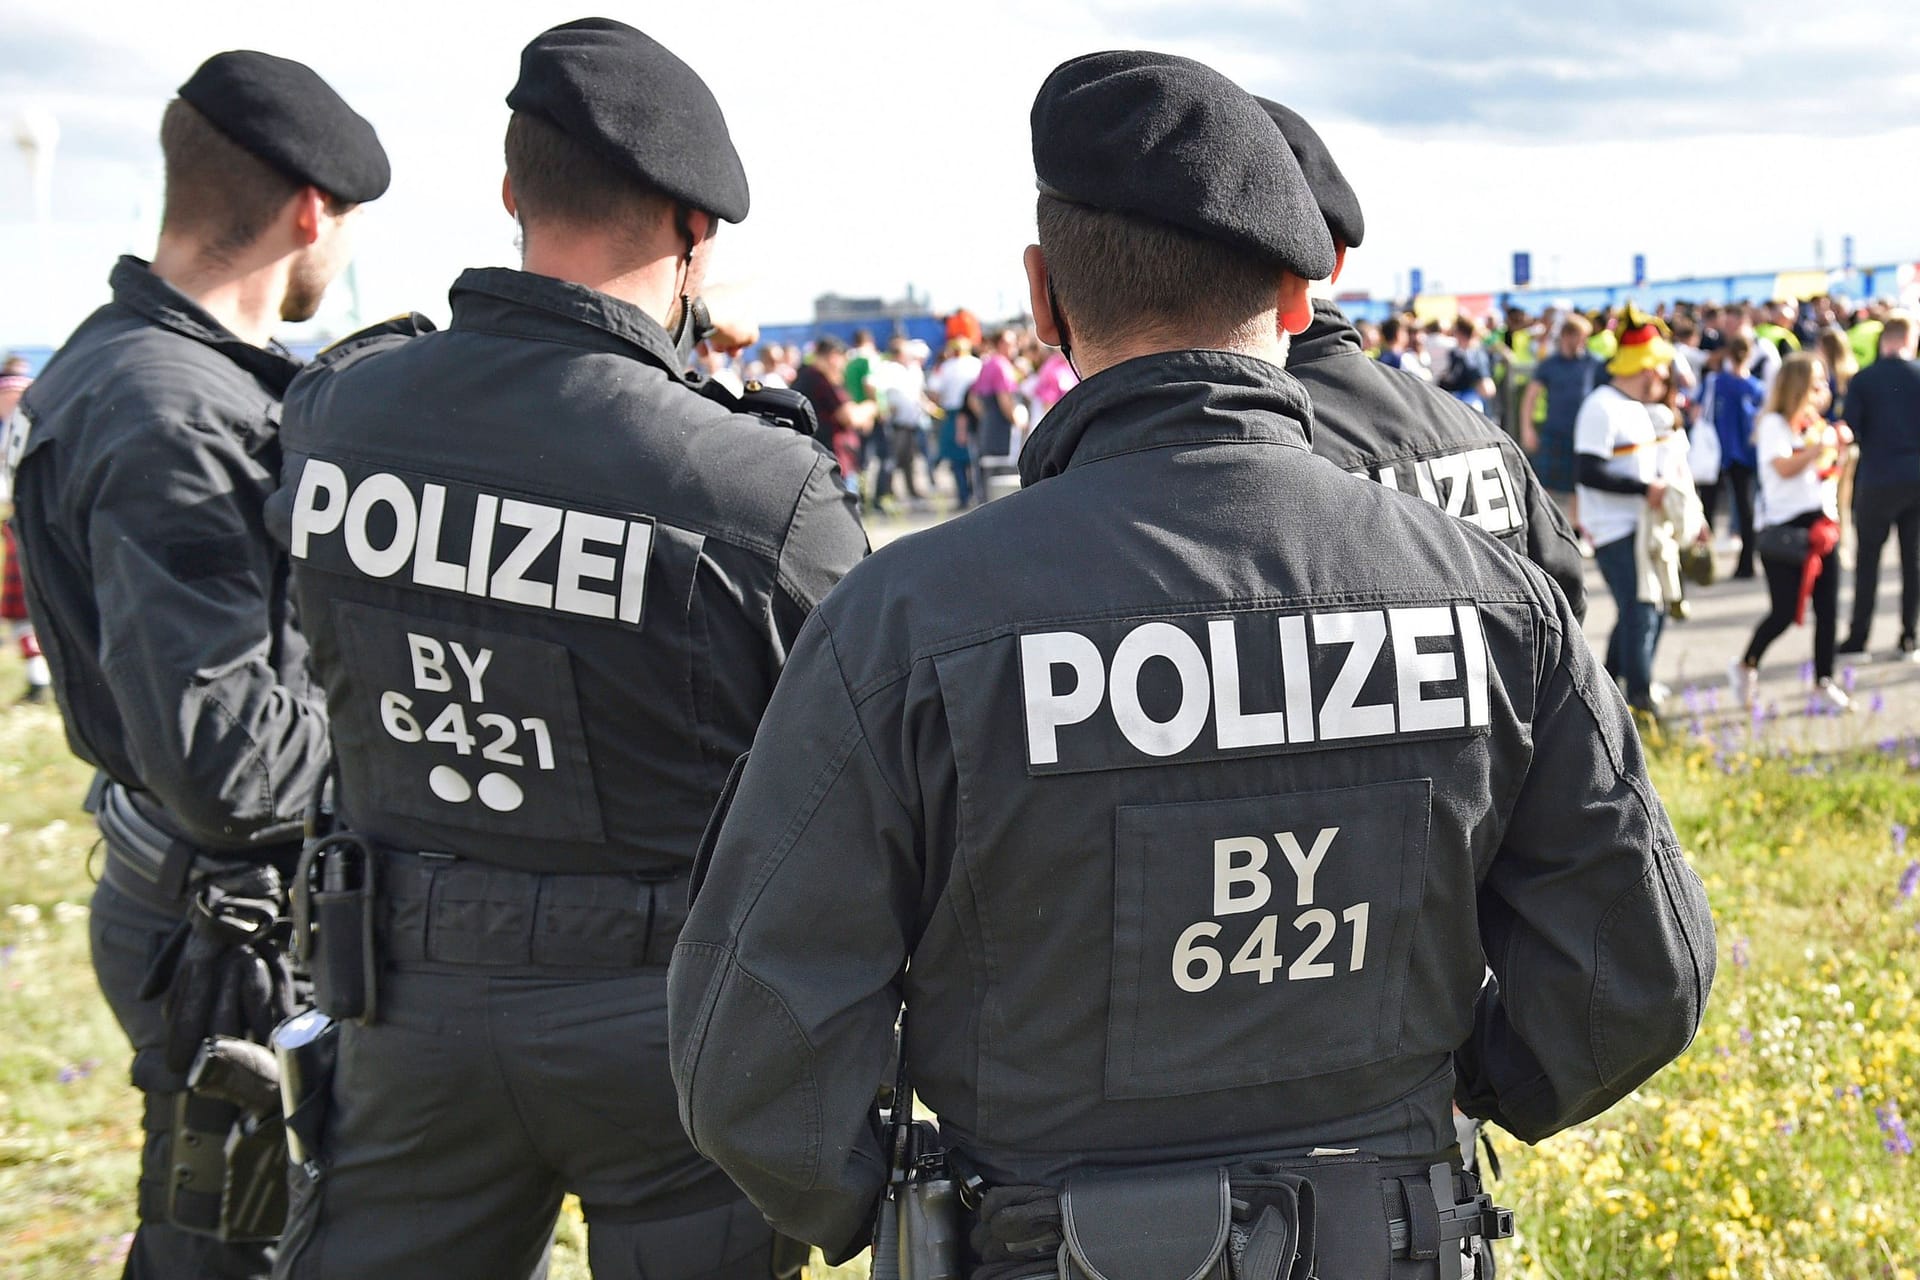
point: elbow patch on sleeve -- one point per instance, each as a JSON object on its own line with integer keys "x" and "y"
{"x": 1654, "y": 967}
{"x": 766, "y": 1134}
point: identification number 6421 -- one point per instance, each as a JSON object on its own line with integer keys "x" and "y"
{"x": 1198, "y": 965}
{"x": 496, "y": 738}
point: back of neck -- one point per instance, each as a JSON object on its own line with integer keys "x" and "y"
{"x": 244, "y": 297}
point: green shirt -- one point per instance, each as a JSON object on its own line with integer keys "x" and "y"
{"x": 1864, "y": 338}
{"x": 857, "y": 369}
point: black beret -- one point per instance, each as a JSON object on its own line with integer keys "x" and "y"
{"x": 1329, "y": 186}
{"x": 623, "y": 94}
{"x": 284, "y": 113}
{"x": 1171, "y": 139}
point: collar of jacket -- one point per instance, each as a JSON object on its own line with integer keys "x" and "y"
{"x": 1169, "y": 398}
{"x": 1330, "y": 334}
{"x": 140, "y": 291}
{"x": 523, "y": 305}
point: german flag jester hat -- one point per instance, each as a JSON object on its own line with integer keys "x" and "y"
{"x": 1643, "y": 344}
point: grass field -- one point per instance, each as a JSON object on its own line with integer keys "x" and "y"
{"x": 1777, "y": 1147}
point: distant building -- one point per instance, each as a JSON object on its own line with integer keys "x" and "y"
{"x": 830, "y": 308}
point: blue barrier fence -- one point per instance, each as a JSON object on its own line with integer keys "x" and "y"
{"x": 1862, "y": 284}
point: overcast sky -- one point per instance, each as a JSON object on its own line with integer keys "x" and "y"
{"x": 886, "y": 143}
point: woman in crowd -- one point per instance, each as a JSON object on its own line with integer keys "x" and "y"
{"x": 1837, "y": 353}
{"x": 1798, "y": 454}
{"x": 1731, "y": 398}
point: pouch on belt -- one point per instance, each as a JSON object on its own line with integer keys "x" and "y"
{"x": 1186, "y": 1224}
{"x": 335, "y": 911}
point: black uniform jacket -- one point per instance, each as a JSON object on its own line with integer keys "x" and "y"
{"x": 1387, "y": 425}
{"x": 549, "y": 584}
{"x": 1200, "y": 806}
{"x": 148, "y": 449}
{"x": 1200, "y": 810}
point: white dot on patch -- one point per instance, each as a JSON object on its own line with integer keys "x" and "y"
{"x": 500, "y": 793}
{"x": 449, "y": 785}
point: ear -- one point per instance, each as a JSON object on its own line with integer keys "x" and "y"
{"x": 1046, "y": 325}
{"x": 1294, "y": 306}
{"x": 702, "y": 224}
{"x": 506, "y": 196}
{"x": 309, "y": 208}
{"x": 1339, "y": 262}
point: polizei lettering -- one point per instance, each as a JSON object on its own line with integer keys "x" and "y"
{"x": 1472, "y": 484}
{"x": 1108, "y": 695}
{"x": 448, "y": 537}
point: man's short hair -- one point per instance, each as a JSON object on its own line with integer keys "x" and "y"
{"x": 1897, "y": 330}
{"x": 1390, "y": 328}
{"x": 216, "y": 190}
{"x": 828, "y": 345}
{"x": 1117, "y": 276}
{"x": 558, "y": 178}
{"x": 1579, "y": 324}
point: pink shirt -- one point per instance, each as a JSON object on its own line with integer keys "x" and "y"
{"x": 996, "y": 375}
{"x": 1055, "y": 379}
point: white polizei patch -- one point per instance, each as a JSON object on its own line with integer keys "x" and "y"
{"x": 599, "y": 569}
{"x": 1425, "y": 667}
{"x": 1472, "y": 485}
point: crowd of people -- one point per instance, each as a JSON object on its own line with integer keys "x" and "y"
{"x": 1741, "y": 412}
{"x": 1768, "y": 407}
{"x": 895, "y": 418}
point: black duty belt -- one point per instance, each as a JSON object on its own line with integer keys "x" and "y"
{"x": 437, "y": 909}
{"x": 152, "y": 864}
{"x": 1364, "y": 1212}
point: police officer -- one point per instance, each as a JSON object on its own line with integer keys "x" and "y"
{"x": 1406, "y": 433}
{"x": 145, "y": 454}
{"x": 1187, "y": 837}
{"x": 550, "y": 580}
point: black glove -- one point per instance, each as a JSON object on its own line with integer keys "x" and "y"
{"x": 224, "y": 971}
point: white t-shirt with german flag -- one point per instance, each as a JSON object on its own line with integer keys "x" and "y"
{"x": 1635, "y": 440}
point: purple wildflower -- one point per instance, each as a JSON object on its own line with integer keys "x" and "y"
{"x": 1741, "y": 956}
{"x": 1897, "y": 1141}
{"x": 1713, "y": 701}
{"x": 1909, "y": 880}
{"x": 1787, "y": 1128}
{"x": 1846, "y": 679}
{"x": 1806, "y": 673}
{"x": 1746, "y": 1036}
{"x": 1899, "y": 838}
{"x": 1877, "y": 703}
{"x": 6, "y": 955}
{"x": 1889, "y": 745}
{"x": 78, "y": 1071}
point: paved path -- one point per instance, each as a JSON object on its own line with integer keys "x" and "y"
{"x": 1693, "y": 655}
